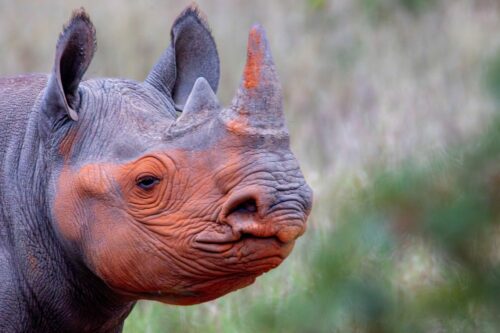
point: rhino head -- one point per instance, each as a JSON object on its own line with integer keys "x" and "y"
{"x": 180, "y": 209}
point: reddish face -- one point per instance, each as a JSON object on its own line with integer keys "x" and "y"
{"x": 186, "y": 226}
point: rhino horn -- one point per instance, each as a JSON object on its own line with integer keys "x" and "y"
{"x": 200, "y": 102}
{"x": 259, "y": 101}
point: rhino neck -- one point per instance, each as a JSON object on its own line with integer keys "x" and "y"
{"x": 57, "y": 291}
{"x": 17, "y": 95}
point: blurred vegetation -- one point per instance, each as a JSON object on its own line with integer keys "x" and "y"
{"x": 392, "y": 107}
{"x": 382, "y": 8}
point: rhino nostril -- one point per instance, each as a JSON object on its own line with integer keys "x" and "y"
{"x": 247, "y": 202}
{"x": 248, "y": 206}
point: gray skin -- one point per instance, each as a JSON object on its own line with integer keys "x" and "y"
{"x": 56, "y": 274}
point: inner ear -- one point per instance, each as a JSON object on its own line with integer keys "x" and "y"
{"x": 72, "y": 66}
{"x": 74, "y": 51}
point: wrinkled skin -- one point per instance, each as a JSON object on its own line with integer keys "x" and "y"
{"x": 108, "y": 197}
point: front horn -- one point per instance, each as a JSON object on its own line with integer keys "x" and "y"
{"x": 259, "y": 101}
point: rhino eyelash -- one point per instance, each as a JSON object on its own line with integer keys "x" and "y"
{"x": 147, "y": 182}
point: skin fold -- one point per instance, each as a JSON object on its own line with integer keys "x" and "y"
{"x": 107, "y": 196}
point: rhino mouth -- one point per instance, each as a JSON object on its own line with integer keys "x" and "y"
{"x": 249, "y": 252}
{"x": 214, "y": 245}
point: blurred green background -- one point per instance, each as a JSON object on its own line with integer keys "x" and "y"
{"x": 393, "y": 110}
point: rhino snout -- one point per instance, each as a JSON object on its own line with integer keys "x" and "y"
{"x": 255, "y": 212}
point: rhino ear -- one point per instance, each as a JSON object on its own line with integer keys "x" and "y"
{"x": 191, "y": 54}
{"x": 74, "y": 51}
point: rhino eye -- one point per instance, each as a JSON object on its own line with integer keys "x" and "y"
{"x": 147, "y": 182}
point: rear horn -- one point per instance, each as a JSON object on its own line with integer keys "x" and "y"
{"x": 200, "y": 103}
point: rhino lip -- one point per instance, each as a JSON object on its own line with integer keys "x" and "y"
{"x": 213, "y": 247}
{"x": 217, "y": 238}
{"x": 245, "y": 227}
{"x": 221, "y": 243}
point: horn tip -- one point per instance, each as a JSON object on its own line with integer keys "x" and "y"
{"x": 257, "y": 27}
{"x": 257, "y": 35}
{"x": 258, "y": 56}
{"x": 201, "y": 85}
{"x": 202, "y": 97}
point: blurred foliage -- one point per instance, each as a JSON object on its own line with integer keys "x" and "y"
{"x": 492, "y": 78}
{"x": 416, "y": 5}
{"x": 317, "y": 4}
{"x": 381, "y": 10}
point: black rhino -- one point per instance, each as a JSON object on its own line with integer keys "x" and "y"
{"x": 107, "y": 196}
